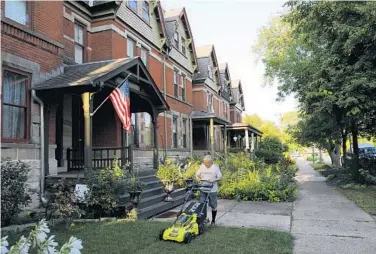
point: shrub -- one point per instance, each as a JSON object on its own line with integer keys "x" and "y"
{"x": 273, "y": 183}
{"x": 271, "y": 150}
{"x": 106, "y": 187}
{"x": 14, "y": 194}
{"x": 39, "y": 242}
{"x": 62, "y": 201}
{"x": 240, "y": 161}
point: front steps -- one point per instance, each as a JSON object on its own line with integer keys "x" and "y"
{"x": 152, "y": 197}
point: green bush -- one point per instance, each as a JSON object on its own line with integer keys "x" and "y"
{"x": 271, "y": 150}
{"x": 169, "y": 171}
{"x": 14, "y": 194}
{"x": 274, "y": 183}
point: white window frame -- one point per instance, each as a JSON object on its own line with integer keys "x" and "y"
{"x": 147, "y": 4}
{"x": 176, "y": 40}
{"x": 79, "y": 43}
{"x": 134, "y": 42}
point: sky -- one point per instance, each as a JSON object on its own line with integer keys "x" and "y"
{"x": 232, "y": 26}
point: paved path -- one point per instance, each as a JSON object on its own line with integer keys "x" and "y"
{"x": 274, "y": 216}
{"x": 324, "y": 221}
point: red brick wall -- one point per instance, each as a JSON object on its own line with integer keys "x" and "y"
{"x": 101, "y": 46}
{"x": 199, "y": 100}
{"x": 47, "y": 19}
{"x": 161, "y": 136}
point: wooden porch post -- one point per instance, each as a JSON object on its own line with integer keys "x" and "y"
{"x": 87, "y": 108}
{"x": 246, "y": 140}
{"x": 155, "y": 136}
{"x": 225, "y": 141}
{"x": 212, "y": 136}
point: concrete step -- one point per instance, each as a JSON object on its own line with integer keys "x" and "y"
{"x": 148, "y": 178}
{"x": 147, "y": 193}
{"x": 160, "y": 207}
{"x": 153, "y": 200}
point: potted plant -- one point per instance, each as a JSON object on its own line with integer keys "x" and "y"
{"x": 135, "y": 188}
{"x": 169, "y": 173}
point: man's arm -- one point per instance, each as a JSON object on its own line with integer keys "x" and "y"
{"x": 218, "y": 175}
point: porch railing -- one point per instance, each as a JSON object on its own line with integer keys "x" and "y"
{"x": 101, "y": 157}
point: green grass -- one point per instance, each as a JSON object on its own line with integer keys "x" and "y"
{"x": 318, "y": 165}
{"x": 142, "y": 238}
{"x": 364, "y": 197}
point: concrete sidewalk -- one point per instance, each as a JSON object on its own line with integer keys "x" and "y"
{"x": 274, "y": 216}
{"x": 323, "y": 221}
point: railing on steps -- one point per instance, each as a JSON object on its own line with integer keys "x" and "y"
{"x": 102, "y": 157}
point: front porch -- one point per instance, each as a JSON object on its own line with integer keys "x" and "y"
{"x": 88, "y": 139}
{"x": 207, "y": 138}
{"x": 243, "y": 138}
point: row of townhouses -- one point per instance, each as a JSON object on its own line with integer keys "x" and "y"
{"x": 62, "y": 59}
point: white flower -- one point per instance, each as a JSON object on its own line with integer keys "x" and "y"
{"x": 4, "y": 245}
{"x": 73, "y": 246}
{"x": 77, "y": 243}
{"x": 50, "y": 245}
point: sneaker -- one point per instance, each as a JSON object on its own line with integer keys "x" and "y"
{"x": 212, "y": 223}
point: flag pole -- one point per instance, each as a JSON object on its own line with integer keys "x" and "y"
{"x": 121, "y": 83}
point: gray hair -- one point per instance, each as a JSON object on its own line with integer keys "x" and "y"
{"x": 208, "y": 157}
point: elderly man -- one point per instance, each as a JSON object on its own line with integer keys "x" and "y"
{"x": 209, "y": 172}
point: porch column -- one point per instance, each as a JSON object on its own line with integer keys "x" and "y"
{"x": 155, "y": 137}
{"x": 252, "y": 142}
{"x": 212, "y": 136}
{"x": 87, "y": 108}
{"x": 225, "y": 141}
{"x": 246, "y": 140}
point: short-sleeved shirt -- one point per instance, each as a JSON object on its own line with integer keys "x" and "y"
{"x": 211, "y": 173}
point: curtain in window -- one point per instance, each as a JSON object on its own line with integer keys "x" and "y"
{"x": 14, "y": 105}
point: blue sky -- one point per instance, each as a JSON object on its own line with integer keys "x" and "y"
{"x": 232, "y": 26}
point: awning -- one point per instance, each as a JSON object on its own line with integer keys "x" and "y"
{"x": 100, "y": 74}
{"x": 204, "y": 117}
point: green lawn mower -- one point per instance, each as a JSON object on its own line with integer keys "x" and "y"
{"x": 190, "y": 221}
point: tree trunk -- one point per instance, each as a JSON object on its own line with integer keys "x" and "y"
{"x": 354, "y": 132}
{"x": 335, "y": 155}
{"x": 320, "y": 155}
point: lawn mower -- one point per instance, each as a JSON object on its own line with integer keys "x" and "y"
{"x": 190, "y": 221}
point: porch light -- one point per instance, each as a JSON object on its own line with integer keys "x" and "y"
{"x": 235, "y": 138}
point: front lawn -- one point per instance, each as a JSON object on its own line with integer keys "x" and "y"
{"x": 142, "y": 237}
{"x": 364, "y": 197}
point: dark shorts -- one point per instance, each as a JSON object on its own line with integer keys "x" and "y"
{"x": 212, "y": 199}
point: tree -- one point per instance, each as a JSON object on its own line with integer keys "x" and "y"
{"x": 268, "y": 128}
{"x": 253, "y": 120}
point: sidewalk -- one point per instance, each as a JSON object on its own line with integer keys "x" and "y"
{"x": 323, "y": 221}
{"x": 273, "y": 216}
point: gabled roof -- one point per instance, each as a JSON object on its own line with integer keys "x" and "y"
{"x": 99, "y": 74}
{"x": 203, "y": 55}
{"x": 204, "y": 51}
{"x": 173, "y": 15}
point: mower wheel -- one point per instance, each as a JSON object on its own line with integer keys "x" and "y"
{"x": 161, "y": 234}
{"x": 201, "y": 228}
{"x": 188, "y": 238}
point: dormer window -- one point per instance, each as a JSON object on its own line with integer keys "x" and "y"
{"x": 176, "y": 40}
{"x": 145, "y": 11}
{"x": 133, "y": 5}
{"x": 183, "y": 46}
{"x": 210, "y": 72}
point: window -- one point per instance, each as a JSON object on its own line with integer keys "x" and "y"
{"x": 176, "y": 88}
{"x": 131, "y": 47}
{"x": 148, "y": 130}
{"x": 185, "y": 133}
{"x": 210, "y": 102}
{"x": 14, "y": 106}
{"x": 144, "y": 55}
{"x": 174, "y": 132}
{"x": 183, "y": 87}
{"x": 145, "y": 11}
{"x": 133, "y": 5}
{"x": 183, "y": 45}
{"x": 210, "y": 72}
{"x": 79, "y": 43}
{"x": 176, "y": 40}
{"x": 17, "y": 11}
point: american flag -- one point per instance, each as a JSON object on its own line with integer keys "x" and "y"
{"x": 121, "y": 101}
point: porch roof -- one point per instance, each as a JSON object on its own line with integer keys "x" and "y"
{"x": 103, "y": 73}
{"x": 200, "y": 116}
{"x": 242, "y": 126}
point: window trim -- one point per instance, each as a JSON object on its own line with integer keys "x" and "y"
{"x": 84, "y": 30}
{"x": 27, "y": 107}
{"x": 183, "y": 46}
{"x": 177, "y": 40}
{"x": 183, "y": 88}
{"x": 143, "y": 49}
{"x": 134, "y": 46}
{"x": 28, "y": 11}
{"x": 175, "y": 118}
{"x": 148, "y": 11}
{"x": 176, "y": 84}
{"x": 184, "y": 133}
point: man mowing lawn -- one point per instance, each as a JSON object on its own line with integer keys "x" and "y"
{"x": 209, "y": 172}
